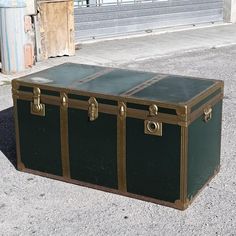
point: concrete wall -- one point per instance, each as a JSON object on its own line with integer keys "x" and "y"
{"x": 230, "y": 11}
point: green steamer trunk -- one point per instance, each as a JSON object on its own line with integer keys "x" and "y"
{"x": 154, "y": 137}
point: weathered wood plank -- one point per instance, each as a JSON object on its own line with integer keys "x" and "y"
{"x": 56, "y": 28}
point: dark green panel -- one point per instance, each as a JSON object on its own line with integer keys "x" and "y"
{"x": 93, "y": 148}
{"x": 78, "y": 97}
{"x": 153, "y": 162}
{"x": 43, "y": 91}
{"x": 107, "y": 102}
{"x": 203, "y": 150}
{"x": 145, "y": 107}
{"x": 138, "y": 106}
{"x": 116, "y": 82}
{"x": 50, "y": 92}
{"x": 175, "y": 89}
{"x": 26, "y": 89}
{"x": 64, "y": 75}
{"x": 170, "y": 88}
{"x": 86, "y": 98}
{"x": 40, "y": 138}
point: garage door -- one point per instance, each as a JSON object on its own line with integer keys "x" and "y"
{"x": 106, "y": 18}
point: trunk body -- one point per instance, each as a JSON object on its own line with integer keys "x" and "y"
{"x": 149, "y": 136}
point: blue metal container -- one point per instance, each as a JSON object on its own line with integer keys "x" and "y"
{"x": 12, "y": 35}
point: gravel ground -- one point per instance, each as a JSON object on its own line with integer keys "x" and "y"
{"x": 32, "y": 205}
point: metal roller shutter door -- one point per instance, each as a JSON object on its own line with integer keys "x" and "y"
{"x": 109, "y": 19}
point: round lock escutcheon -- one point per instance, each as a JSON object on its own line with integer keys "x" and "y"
{"x": 153, "y": 126}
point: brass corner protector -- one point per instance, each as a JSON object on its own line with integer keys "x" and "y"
{"x": 182, "y": 205}
{"x": 183, "y": 112}
{"x": 14, "y": 90}
{"x": 217, "y": 169}
{"x": 15, "y": 93}
{"x": 15, "y": 84}
{"x": 20, "y": 166}
{"x": 183, "y": 115}
{"x": 222, "y": 85}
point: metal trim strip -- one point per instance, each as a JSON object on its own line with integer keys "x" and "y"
{"x": 64, "y": 136}
{"x": 183, "y": 165}
{"x": 190, "y": 103}
{"x": 175, "y": 205}
{"x": 205, "y": 93}
{"x": 205, "y": 100}
{"x": 93, "y": 76}
{"x": 104, "y": 96}
{"x": 135, "y": 113}
{"x": 194, "y": 115}
{"x": 121, "y": 148}
{"x": 143, "y": 85}
{"x": 165, "y": 118}
{"x": 109, "y": 109}
{"x": 20, "y": 166}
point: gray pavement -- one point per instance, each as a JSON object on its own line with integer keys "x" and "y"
{"x": 124, "y": 51}
{"x": 32, "y": 205}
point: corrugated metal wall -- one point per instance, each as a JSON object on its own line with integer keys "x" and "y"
{"x": 122, "y": 18}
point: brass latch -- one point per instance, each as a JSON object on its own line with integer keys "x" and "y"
{"x": 150, "y": 126}
{"x": 207, "y": 114}
{"x": 37, "y": 108}
{"x": 92, "y": 109}
{"x": 153, "y": 110}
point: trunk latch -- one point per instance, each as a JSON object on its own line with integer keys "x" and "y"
{"x": 37, "y": 108}
{"x": 207, "y": 114}
{"x": 93, "y": 109}
{"x": 151, "y": 126}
